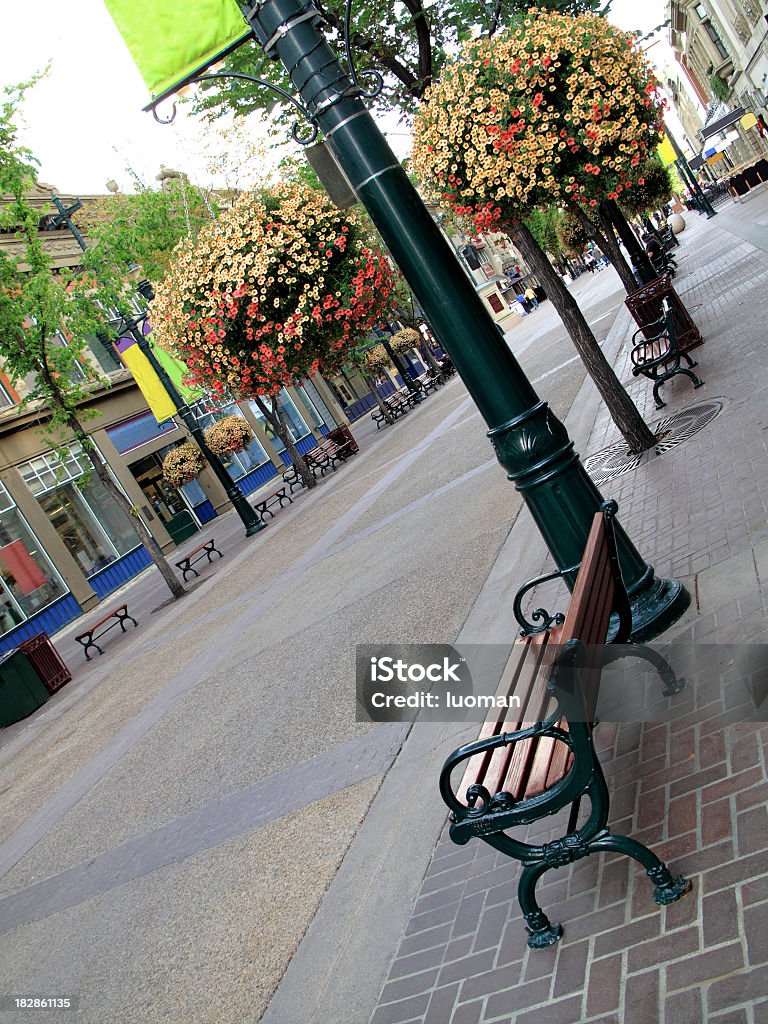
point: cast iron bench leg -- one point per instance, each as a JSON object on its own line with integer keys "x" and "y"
{"x": 121, "y": 618}
{"x": 87, "y": 644}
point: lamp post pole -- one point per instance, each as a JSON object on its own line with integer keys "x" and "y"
{"x": 403, "y": 367}
{"x": 687, "y": 174}
{"x": 531, "y": 444}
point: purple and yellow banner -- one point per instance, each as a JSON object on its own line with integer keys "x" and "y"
{"x": 150, "y": 385}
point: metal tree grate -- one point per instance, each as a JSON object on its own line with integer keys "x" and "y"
{"x": 670, "y": 432}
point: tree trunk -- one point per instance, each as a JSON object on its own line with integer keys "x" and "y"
{"x": 153, "y": 548}
{"x": 429, "y": 355}
{"x": 613, "y": 213}
{"x": 388, "y": 417}
{"x": 622, "y": 409}
{"x": 277, "y": 422}
{"x": 608, "y": 244}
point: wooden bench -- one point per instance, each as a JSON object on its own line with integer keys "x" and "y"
{"x": 534, "y": 760}
{"x": 278, "y": 497}
{"x": 397, "y": 405}
{"x": 658, "y": 357}
{"x": 193, "y": 556}
{"x": 428, "y": 382}
{"x": 320, "y": 459}
{"x": 89, "y": 636}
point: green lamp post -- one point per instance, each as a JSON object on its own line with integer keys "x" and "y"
{"x": 530, "y": 442}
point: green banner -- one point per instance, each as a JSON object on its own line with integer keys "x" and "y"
{"x": 177, "y": 370}
{"x": 170, "y": 40}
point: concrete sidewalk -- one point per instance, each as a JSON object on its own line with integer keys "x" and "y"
{"x": 424, "y": 932}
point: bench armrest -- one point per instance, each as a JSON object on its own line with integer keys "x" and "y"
{"x": 540, "y": 615}
{"x": 659, "y": 325}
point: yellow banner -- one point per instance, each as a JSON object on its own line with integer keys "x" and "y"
{"x": 156, "y": 396}
{"x": 666, "y": 153}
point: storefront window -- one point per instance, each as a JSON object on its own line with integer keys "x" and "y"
{"x": 313, "y": 404}
{"x": 28, "y": 580}
{"x": 90, "y": 524}
{"x": 297, "y": 427}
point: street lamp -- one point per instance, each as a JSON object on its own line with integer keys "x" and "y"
{"x": 531, "y": 444}
{"x": 133, "y": 326}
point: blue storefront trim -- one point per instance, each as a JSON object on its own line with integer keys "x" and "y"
{"x": 119, "y": 572}
{"x": 256, "y": 478}
{"x": 360, "y": 407}
{"x": 205, "y": 511}
{"x": 303, "y": 445}
{"x": 49, "y": 621}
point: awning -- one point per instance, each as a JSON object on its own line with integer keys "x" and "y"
{"x": 722, "y": 123}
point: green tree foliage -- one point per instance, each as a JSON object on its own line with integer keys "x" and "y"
{"x": 572, "y": 235}
{"x": 543, "y": 225}
{"x": 409, "y": 46}
{"x": 144, "y": 228}
{"x": 45, "y": 319}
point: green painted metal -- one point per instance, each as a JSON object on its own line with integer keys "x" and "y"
{"x": 21, "y": 689}
{"x": 488, "y": 817}
{"x": 530, "y": 442}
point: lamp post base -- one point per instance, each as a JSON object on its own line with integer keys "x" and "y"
{"x": 656, "y": 604}
{"x": 252, "y": 523}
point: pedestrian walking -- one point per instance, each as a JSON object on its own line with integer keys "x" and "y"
{"x": 530, "y": 294}
{"x": 523, "y": 307}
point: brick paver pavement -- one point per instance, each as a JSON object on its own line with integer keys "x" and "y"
{"x": 696, "y": 792}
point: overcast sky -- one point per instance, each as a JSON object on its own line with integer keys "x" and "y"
{"x": 85, "y": 123}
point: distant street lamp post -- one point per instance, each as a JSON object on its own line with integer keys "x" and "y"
{"x": 133, "y": 325}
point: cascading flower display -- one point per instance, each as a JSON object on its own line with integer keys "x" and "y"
{"x": 376, "y": 360}
{"x": 405, "y": 339}
{"x": 227, "y": 435}
{"x": 555, "y": 109}
{"x": 280, "y": 287}
{"x": 183, "y": 464}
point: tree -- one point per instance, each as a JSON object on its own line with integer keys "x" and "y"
{"x": 556, "y": 110}
{"x": 278, "y": 289}
{"x": 44, "y": 323}
{"x": 409, "y": 48}
{"x": 145, "y": 227}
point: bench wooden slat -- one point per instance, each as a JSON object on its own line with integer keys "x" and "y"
{"x": 592, "y": 601}
{"x": 524, "y": 753}
{"x": 514, "y": 719}
{"x": 509, "y": 683}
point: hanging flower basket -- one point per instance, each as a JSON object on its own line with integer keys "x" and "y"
{"x": 228, "y": 435}
{"x": 376, "y": 359}
{"x": 405, "y": 339}
{"x": 183, "y": 464}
